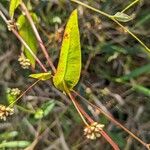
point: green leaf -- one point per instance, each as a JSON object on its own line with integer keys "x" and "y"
{"x": 69, "y": 65}
{"x": 38, "y": 114}
{"x": 135, "y": 73}
{"x": 122, "y": 17}
{"x": 14, "y": 144}
{"x": 8, "y": 135}
{"x": 41, "y": 76}
{"x": 48, "y": 107}
{"x": 10, "y": 98}
{"x": 45, "y": 109}
{"x": 27, "y": 34}
{"x": 13, "y": 5}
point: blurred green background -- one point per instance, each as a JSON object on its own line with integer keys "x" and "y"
{"x": 115, "y": 76}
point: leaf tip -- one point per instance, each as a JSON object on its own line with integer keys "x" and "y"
{"x": 74, "y": 12}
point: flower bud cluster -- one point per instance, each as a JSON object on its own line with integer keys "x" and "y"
{"x": 5, "y": 111}
{"x": 24, "y": 62}
{"x": 14, "y": 91}
{"x": 93, "y": 131}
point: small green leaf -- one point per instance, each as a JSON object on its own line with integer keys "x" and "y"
{"x": 122, "y": 17}
{"x": 41, "y": 76}
{"x": 11, "y": 98}
{"x": 57, "y": 19}
{"x": 38, "y": 114}
{"x": 14, "y": 144}
{"x": 13, "y": 5}
{"x": 27, "y": 34}
{"x": 48, "y": 107}
{"x": 69, "y": 65}
{"x": 45, "y": 109}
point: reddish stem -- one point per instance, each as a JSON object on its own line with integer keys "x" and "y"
{"x": 22, "y": 41}
{"x": 38, "y": 37}
{"x": 103, "y": 133}
{"x": 112, "y": 119}
{"x": 107, "y": 137}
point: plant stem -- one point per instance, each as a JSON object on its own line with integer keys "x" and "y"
{"x": 29, "y": 49}
{"x": 130, "y": 5}
{"x": 92, "y": 8}
{"x": 38, "y": 36}
{"x": 102, "y": 132}
{"x": 113, "y": 19}
{"x": 22, "y": 41}
{"x": 25, "y": 110}
{"x": 112, "y": 119}
{"x": 73, "y": 101}
{"x": 24, "y": 92}
{"x": 133, "y": 35}
{"x": 76, "y": 106}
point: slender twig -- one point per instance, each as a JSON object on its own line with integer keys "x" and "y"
{"x": 4, "y": 10}
{"x": 130, "y": 5}
{"x": 112, "y": 119}
{"x": 38, "y": 36}
{"x": 103, "y": 133}
{"x": 31, "y": 52}
{"x": 133, "y": 35}
{"x": 81, "y": 111}
{"x": 92, "y": 8}
{"x": 24, "y": 92}
{"x": 22, "y": 41}
{"x": 76, "y": 106}
{"x": 72, "y": 99}
{"x": 25, "y": 110}
{"x": 113, "y": 19}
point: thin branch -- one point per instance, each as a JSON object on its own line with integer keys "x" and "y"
{"x": 113, "y": 19}
{"x": 102, "y": 132}
{"x": 77, "y": 108}
{"x": 130, "y": 5}
{"x": 133, "y": 35}
{"x": 22, "y": 41}
{"x": 24, "y": 92}
{"x": 92, "y": 8}
{"x": 31, "y": 52}
{"x": 111, "y": 119}
{"x": 38, "y": 37}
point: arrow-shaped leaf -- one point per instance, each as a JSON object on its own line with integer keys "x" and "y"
{"x": 69, "y": 65}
